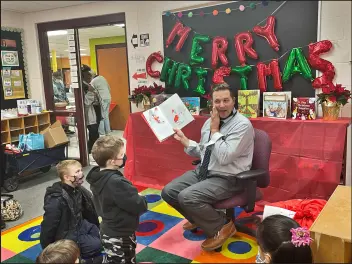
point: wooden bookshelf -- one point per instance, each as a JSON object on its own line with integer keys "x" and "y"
{"x": 12, "y": 128}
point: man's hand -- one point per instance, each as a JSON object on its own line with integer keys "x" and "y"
{"x": 214, "y": 121}
{"x": 179, "y": 136}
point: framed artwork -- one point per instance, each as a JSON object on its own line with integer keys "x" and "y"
{"x": 9, "y": 58}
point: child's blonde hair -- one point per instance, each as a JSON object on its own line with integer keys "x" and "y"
{"x": 106, "y": 148}
{"x": 61, "y": 251}
{"x": 62, "y": 167}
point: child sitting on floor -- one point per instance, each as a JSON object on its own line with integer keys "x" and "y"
{"x": 116, "y": 200}
{"x": 282, "y": 240}
{"x": 62, "y": 251}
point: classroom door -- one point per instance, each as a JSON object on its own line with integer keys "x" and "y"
{"x": 112, "y": 64}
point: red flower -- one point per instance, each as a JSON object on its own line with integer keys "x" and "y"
{"x": 332, "y": 98}
{"x": 339, "y": 88}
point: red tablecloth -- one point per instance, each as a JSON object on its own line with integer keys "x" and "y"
{"x": 306, "y": 159}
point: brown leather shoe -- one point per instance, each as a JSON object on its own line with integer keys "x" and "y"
{"x": 219, "y": 239}
{"x": 189, "y": 226}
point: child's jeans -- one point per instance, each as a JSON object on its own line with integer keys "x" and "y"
{"x": 120, "y": 249}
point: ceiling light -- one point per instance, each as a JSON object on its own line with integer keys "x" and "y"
{"x": 57, "y": 33}
{"x": 119, "y": 25}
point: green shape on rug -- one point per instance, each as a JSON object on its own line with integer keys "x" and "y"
{"x": 157, "y": 256}
{"x": 18, "y": 259}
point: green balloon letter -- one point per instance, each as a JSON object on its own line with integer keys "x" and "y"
{"x": 297, "y": 63}
{"x": 197, "y": 49}
{"x": 243, "y": 72}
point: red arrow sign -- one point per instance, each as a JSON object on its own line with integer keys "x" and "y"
{"x": 140, "y": 76}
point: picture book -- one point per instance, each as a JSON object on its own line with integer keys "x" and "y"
{"x": 288, "y": 97}
{"x": 170, "y": 114}
{"x": 248, "y": 103}
{"x": 275, "y": 105}
{"x": 303, "y": 108}
{"x": 192, "y": 104}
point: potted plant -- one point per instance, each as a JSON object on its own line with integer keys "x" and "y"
{"x": 331, "y": 100}
{"x": 143, "y": 94}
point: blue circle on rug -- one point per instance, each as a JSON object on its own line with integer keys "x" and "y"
{"x": 152, "y": 198}
{"x": 30, "y": 234}
{"x": 198, "y": 236}
{"x": 239, "y": 247}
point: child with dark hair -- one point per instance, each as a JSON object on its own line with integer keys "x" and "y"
{"x": 282, "y": 240}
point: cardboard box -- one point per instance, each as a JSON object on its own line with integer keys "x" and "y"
{"x": 331, "y": 230}
{"x": 54, "y": 135}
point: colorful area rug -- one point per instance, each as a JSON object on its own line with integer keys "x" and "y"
{"x": 160, "y": 238}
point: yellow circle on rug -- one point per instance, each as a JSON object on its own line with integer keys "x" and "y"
{"x": 253, "y": 250}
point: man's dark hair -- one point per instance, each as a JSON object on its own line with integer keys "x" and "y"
{"x": 274, "y": 237}
{"x": 221, "y": 87}
{"x": 85, "y": 68}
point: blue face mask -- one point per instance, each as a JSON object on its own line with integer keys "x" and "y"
{"x": 258, "y": 259}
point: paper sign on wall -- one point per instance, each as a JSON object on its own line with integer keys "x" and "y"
{"x": 74, "y": 85}
{"x": 70, "y": 37}
{"x": 71, "y": 43}
{"x": 74, "y": 74}
{"x": 73, "y": 62}
{"x": 72, "y": 55}
{"x": 72, "y": 49}
{"x": 70, "y": 31}
{"x": 74, "y": 68}
{"x": 74, "y": 79}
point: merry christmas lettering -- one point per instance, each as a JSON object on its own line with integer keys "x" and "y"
{"x": 179, "y": 74}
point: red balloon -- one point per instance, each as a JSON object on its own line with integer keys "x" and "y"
{"x": 220, "y": 73}
{"x": 244, "y": 47}
{"x": 326, "y": 67}
{"x": 265, "y": 70}
{"x": 268, "y": 33}
{"x": 218, "y": 52}
{"x": 182, "y": 32}
{"x": 155, "y": 56}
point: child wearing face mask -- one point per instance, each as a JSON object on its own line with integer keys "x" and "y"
{"x": 282, "y": 240}
{"x": 117, "y": 201}
{"x": 69, "y": 213}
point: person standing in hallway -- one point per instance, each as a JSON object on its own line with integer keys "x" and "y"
{"x": 91, "y": 107}
{"x": 225, "y": 149}
{"x": 100, "y": 84}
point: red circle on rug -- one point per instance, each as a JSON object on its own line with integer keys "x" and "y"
{"x": 149, "y": 228}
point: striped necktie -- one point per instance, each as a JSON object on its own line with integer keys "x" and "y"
{"x": 203, "y": 171}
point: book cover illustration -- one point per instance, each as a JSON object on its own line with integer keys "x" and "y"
{"x": 192, "y": 104}
{"x": 170, "y": 114}
{"x": 248, "y": 103}
{"x": 303, "y": 108}
{"x": 275, "y": 105}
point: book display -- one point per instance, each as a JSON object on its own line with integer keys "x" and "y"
{"x": 192, "y": 104}
{"x": 248, "y": 103}
{"x": 275, "y": 105}
{"x": 303, "y": 108}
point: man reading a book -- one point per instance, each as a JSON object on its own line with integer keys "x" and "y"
{"x": 225, "y": 149}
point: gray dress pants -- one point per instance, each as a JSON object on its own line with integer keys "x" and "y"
{"x": 195, "y": 199}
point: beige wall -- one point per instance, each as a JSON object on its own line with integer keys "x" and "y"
{"x": 145, "y": 17}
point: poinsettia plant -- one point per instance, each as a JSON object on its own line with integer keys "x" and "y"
{"x": 142, "y": 94}
{"x": 334, "y": 93}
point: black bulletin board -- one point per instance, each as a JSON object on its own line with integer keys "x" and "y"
{"x": 296, "y": 26}
{"x": 16, "y": 35}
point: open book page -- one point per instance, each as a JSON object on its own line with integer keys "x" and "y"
{"x": 158, "y": 123}
{"x": 175, "y": 112}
